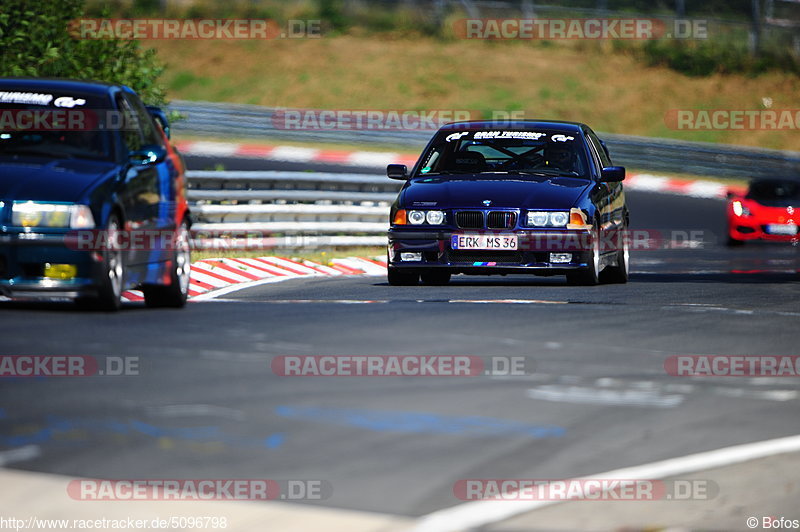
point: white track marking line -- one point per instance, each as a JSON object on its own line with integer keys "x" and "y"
{"x": 240, "y": 286}
{"x": 593, "y": 396}
{"x": 20, "y": 454}
{"x": 476, "y": 514}
{"x": 195, "y": 410}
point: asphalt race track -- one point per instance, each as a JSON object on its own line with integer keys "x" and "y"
{"x": 207, "y": 405}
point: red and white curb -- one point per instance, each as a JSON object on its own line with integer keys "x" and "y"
{"x": 295, "y": 154}
{"x": 697, "y": 188}
{"x": 212, "y": 275}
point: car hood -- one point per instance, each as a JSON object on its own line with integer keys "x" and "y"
{"x": 55, "y": 180}
{"x": 530, "y": 192}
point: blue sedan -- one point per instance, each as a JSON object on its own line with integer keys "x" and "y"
{"x": 523, "y": 197}
{"x": 92, "y": 196}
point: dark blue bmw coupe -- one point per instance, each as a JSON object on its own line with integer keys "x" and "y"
{"x": 524, "y": 197}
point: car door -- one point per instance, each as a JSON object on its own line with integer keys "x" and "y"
{"x": 614, "y": 217}
{"x": 617, "y": 206}
{"x": 601, "y": 196}
{"x": 139, "y": 193}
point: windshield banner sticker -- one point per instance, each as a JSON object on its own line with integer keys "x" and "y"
{"x": 32, "y": 98}
{"x": 531, "y": 135}
{"x": 456, "y": 136}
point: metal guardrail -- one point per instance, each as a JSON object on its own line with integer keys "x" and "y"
{"x": 252, "y": 121}
{"x": 289, "y": 209}
{"x": 259, "y": 187}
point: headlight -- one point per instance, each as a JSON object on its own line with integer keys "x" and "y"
{"x": 416, "y": 217}
{"x": 30, "y": 214}
{"x": 559, "y": 219}
{"x": 548, "y": 219}
{"x": 435, "y": 217}
{"x": 739, "y": 209}
{"x": 538, "y": 219}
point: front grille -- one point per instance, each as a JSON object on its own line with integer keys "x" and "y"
{"x": 501, "y": 220}
{"x": 469, "y": 219}
{"x": 764, "y": 229}
{"x": 500, "y": 257}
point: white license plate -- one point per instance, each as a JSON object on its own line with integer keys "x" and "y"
{"x": 508, "y": 242}
{"x": 782, "y": 229}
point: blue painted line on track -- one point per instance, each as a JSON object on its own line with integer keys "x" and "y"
{"x": 54, "y": 426}
{"x": 419, "y": 422}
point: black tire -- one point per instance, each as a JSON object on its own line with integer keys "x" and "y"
{"x": 112, "y": 281}
{"x": 401, "y": 278}
{"x": 435, "y": 278}
{"x": 589, "y": 276}
{"x": 176, "y": 293}
{"x": 619, "y": 273}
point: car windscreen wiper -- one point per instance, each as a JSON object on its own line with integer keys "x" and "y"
{"x": 543, "y": 173}
{"x": 442, "y": 172}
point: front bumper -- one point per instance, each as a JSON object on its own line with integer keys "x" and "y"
{"x": 532, "y": 255}
{"x": 752, "y": 228}
{"x": 23, "y": 257}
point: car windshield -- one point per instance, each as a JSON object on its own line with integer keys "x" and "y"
{"x": 775, "y": 193}
{"x": 493, "y": 153}
{"x": 55, "y": 126}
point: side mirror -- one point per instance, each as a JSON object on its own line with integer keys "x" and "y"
{"x": 147, "y": 155}
{"x": 160, "y": 116}
{"x": 397, "y": 171}
{"x": 612, "y": 174}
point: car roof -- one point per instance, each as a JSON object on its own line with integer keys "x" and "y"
{"x": 523, "y": 125}
{"x": 98, "y": 88}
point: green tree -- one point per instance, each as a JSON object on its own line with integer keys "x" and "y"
{"x": 36, "y": 40}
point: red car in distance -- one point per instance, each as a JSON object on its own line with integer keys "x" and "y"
{"x": 769, "y": 210}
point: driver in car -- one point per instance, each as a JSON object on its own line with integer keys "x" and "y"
{"x": 560, "y": 157}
